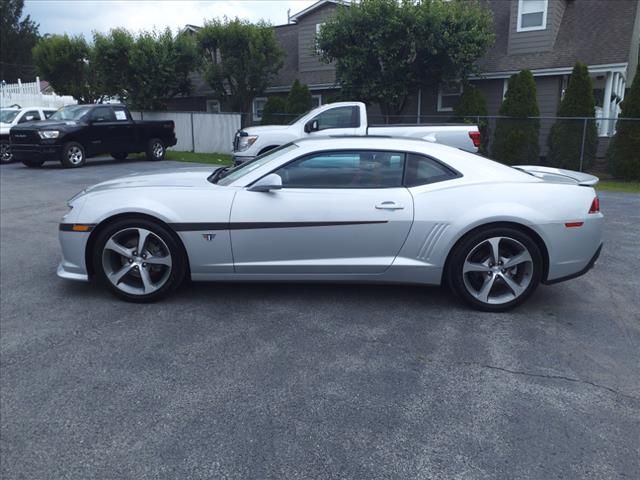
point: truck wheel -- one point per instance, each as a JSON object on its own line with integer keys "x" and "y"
{"x": 5, "y": 151}
{"x": 119, "y": 155}
{"x": 33, "y": 163}
{"x": 73, "y": 155}
{"x": 155, "y": 150}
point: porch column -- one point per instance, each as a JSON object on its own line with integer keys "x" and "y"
{"x": 606, "y": 105}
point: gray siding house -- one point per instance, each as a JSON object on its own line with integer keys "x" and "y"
{"x": 544, "y": 36}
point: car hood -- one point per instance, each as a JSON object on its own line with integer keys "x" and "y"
{"x": 45, "y": 124}
{"x": 177, "y": 177}
{"x": 262, "y": 129}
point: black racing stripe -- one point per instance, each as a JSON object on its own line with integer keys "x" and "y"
{"x": 190, "y": 227}
{"x": 68, "y": 227}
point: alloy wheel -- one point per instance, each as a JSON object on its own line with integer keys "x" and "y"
{"x": 157, "y": 150}
{"x": 136, "y": 261}
{"x": 75, "y": 155}
{"x": 5, "y": 153}
{"x": 497, "y": 270}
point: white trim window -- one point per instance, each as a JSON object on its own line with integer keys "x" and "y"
{"x": 213, "y": 106}
{"x": 532, "y": 15}
{"x": 258, "y": 108}
{"x": 316, "y": 100}
{"x": 449, "y": 95}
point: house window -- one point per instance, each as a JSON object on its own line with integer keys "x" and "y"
{"x": 448, "y": 96}
{"x": 258, "y": 107}
{"x": 532, "y": 15}
{"x": 316, "y": 100}
{"x": 213, "y": 106}
{"x": 318, "y": 27}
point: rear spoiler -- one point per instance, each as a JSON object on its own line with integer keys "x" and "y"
{"x": 559, "y": 175}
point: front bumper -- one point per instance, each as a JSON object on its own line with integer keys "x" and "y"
{"x": 239, "y": 159}
{"x": 73, "y": 265}
{"x": 35, "y": 152}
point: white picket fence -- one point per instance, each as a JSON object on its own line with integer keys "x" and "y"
{"x": 28, "y": 94}
{"x": 199, "y": 132}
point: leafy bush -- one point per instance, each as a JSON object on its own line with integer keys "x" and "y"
{"x": 274, "y": 112}
{"x": 471, "y": 105}
{"x": 624, "y": 150}
{"x": 516, "y": 139}
{"x": 299, "y": 99}
{"x": 565, "y": 139}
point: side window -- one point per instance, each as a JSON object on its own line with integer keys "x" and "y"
{"x": 48, "y": 113}
{"x": 120, "y": 114}
{"x": 102, "y": 114}
{"x": 339, "y": 117}
{"x": 30, "y": 116}
{"x": 422, "y": 170}
{"x": 344, "y": 169}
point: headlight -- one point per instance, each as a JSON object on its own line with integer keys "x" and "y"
{"x": 246, "y": 142}
{"x": 49, "y": 134}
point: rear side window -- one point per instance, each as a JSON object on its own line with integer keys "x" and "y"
{"x": 48, "y": 113}
{"x": 120, "y": 113}
{"x": 103, "y": 114}
{"x": 421, "y": 170}
{"x": 30, "y": 116}
{"x": 339, "y": 117}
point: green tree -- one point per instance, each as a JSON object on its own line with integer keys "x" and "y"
{"x": 112, "y": 54}
{"x": 385, "y": 49}
{"x": 241, "y": 59}
{"x": 565, "y": 138}
{"x": 516, "y": 138}
{"x": 299, "y": 99}
{"x": 17, "y": 38}
{"x": 275, "y": 111}
{"x": 159, "y": 68}
{"x": 472, "y": 105}
{"x": 624, "y": 150}
{"x": 66, "y": 62}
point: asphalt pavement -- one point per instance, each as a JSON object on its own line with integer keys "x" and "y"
{"x": 287, "y": 381}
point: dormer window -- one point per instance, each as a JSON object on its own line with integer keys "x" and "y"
{"x": 532, "y": 15}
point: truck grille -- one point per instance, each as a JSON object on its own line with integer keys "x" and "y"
{"x": 24, "y": 137}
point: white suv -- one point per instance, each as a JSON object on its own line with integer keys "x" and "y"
{"x": 10, "y": 117}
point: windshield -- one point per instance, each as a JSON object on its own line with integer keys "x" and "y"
{"x": 233, "y": 174}
{"x": 298, "y": 117}
{"x": 7, "y": 116}
{"x": 71, "y": 112}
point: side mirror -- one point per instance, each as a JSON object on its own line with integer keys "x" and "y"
{"x": 311, "y": 126}
{"x": 268, "y": 183}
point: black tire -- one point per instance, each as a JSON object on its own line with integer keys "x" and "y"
{"x": 73, "y": 155}
{"x": 155, "y": 150}
{"x": 133, "y": 279}
{"x": 119, "y": 155}
{"x": 33, "y": 163}
{"x": 510, "y": 286}
{"x": 5, "y": 151}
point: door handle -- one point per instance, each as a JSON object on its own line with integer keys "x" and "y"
{"x": 389, "y": 206}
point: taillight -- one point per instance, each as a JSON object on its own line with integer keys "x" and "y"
{"x": 595, "y": 206}
{"x": 475, "y": 138}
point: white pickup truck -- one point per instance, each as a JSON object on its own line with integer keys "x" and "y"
{"x": 345, "y": 119}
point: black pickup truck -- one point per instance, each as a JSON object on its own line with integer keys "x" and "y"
{"x": 76, "y": 132}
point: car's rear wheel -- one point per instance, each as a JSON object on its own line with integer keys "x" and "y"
{"x": 33, "y": 163}
{"x": 73, "y": 155}
{"x": 495, "y": 269}
{"x": 155, "y": 150}
{"x": 139, "y": 260}
{"x": 5, "y": 151}
{"x": 119, "y": 155}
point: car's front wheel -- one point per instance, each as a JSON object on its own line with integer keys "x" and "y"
{"x": 73, "y": 155}
{"x": 139, "y": 260}
{"x": 5, "y": 151}
{"x": 495, "y": 269}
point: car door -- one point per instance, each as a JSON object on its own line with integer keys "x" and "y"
{"x": 125, "y": 134}
{"x": 102, "y": 131}
{"x": 338, "y": 212}
{"x": 336, "y": 121}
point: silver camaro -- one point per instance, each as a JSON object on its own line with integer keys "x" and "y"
{"x": 354, "y": 209}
